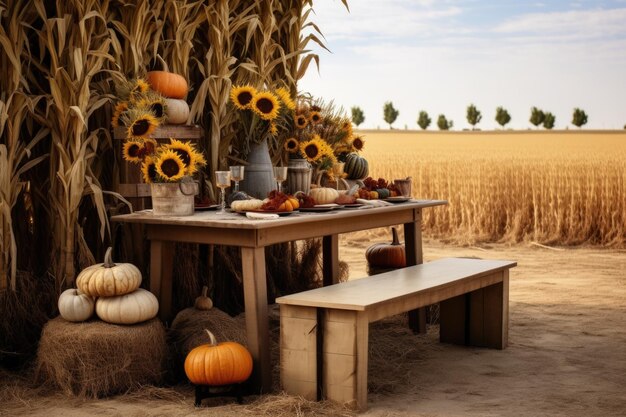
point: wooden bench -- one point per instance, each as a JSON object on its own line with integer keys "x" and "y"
{"x": 324, "y": 332}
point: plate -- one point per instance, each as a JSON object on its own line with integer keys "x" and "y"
{"x": 398, "y": 199}
{"x": 318, "y": 209}
{"x": 205, "y": 208}
{"x": 280, "y": 213}
{"x": 352, "y": 206}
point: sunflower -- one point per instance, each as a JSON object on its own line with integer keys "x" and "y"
{"x": 358, "y": 143}
{"x": 241, "y": 96}
{"x": 170, "y": 166}
{"x": 313, "y": 149}
{"x": 141, "y": 123}
{"x": 120, "y": 108}
{"x": 292, "y": 145}
{"x": 188, "y": 154}
{"x": 138, "y": 88}
{"x": 155, "y": 103}
{"x": 301, "y": 121}
{"x": 148, "y": 169}
{"x": 133, "y": 151}
{"x": 315, "y": 117}
{"x": 285, "y": 97}
{"x": 346, "y": 126}
{"x": 266, "y": 105}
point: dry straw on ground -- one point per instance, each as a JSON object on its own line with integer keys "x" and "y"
{"x": 96, "y": 359}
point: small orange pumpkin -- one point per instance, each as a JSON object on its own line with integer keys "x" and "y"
{"x": 290, "y": 204}
{"x": 170, "y": 85}
{"x": 218, "y": 364}
{"x": 387, "y": 255}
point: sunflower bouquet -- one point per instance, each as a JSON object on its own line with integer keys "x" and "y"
{"x": 263, "y": 114}
{"x": 322, "y": 135}
{"x": 140, "y": 112}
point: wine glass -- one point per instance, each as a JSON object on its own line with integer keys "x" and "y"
{"x": 280, "y": 175}
{"x": 236, "y": 174}
{"x": 222, "y": 180}
{"x": 338, "y": 172}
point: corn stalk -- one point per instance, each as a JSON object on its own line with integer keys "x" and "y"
{"x": 136, "y": 33}
{"x": 77, "y": 43}
{"x": 15, "y": 106}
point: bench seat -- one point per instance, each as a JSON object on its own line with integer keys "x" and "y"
{"x": 324, "y": 332}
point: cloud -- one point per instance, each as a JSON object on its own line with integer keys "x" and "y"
{"x": 370, "y": 19}
{"x": 580, "y": 23}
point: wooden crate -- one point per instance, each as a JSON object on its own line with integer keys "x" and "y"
{"x": 131, "y": 185}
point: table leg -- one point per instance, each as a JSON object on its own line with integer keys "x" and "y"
{"x": 161, "y": 265}
{"x": 413, "y": 250}
{"x": 330, "y": 259}
{"x": 257, "y": 326}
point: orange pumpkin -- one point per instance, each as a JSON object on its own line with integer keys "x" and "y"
{"x": 290, "y": 205}
{"x": 170, "y": 85}
{"x": 218, "y": 364}
{"x": 387, "y": 255}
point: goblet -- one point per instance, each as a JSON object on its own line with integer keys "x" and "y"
{"x": 236, "y": 174}
{"x": 222, "y": 180}
{"x": 280, "y": 175}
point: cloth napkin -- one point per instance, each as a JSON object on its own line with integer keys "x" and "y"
{"x": 373, "y": 203}
{"x": 261, "y": 216}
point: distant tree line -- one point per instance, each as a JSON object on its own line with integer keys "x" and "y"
{"x": 537, "y": 117}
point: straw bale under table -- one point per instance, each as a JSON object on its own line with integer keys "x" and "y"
{"x": 97, "y": 359}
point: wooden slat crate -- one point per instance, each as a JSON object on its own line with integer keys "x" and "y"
{"x": 131, "y": 185}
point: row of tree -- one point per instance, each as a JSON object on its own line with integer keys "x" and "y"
{"x": 537, "y": 117}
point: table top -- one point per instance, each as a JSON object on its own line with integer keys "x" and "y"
{"x": 231, "y": 220}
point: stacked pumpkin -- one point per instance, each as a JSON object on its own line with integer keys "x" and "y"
{"x": 115, "y": 289}
{"x": 174, "y": 88}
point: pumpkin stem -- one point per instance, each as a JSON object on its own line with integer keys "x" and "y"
{"x": 213, "y": 340}
{"x": 395, "y": 241}
{"x": 108, "y": 260}
{"x": 204, "y": 290}
{"x": 166, "y": 68}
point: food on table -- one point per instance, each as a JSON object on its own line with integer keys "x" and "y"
{"x": 345, "y": 199}
{"x": 324, "y": 195}
{"x": 246, "y": 205}
{"x": 305, "y": 200}
{"x": 356, "y": 167}
{"x": 279, "y": 201}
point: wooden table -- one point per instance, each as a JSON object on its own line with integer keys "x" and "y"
{"x": 252, "y": 236}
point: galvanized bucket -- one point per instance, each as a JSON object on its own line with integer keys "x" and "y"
{"x": 259, "y": 178}
{"x": 173, "y": 199}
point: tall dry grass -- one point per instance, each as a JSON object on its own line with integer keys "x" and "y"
{"x": 561, "y": 188}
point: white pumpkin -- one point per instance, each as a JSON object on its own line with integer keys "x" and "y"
{"x": 108, "y": 279}
{"x": 136, "y": 307}
{"x": 324, "y": 195}
{"x": 177, "y": 111}
{"x": 75, "y": 306}
{"x": 246, "y": 205}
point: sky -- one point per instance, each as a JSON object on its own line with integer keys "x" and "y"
{"x": 442, "y": 55}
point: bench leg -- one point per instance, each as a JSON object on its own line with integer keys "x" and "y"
{"x": 479, "y": 318}
{"x": 298, "y": 351}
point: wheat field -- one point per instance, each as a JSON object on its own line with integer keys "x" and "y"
{"x": 555, "y": 188}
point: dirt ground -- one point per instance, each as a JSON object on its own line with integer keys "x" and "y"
{"x": 566, "y": 354}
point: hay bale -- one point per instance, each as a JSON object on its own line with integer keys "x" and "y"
{"x": 96, "y": 359}
{"x": 187, "y": 330}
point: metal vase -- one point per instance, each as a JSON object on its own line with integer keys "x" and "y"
{"x": 299, "y": 176}
{"x": 259, "y": 178}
